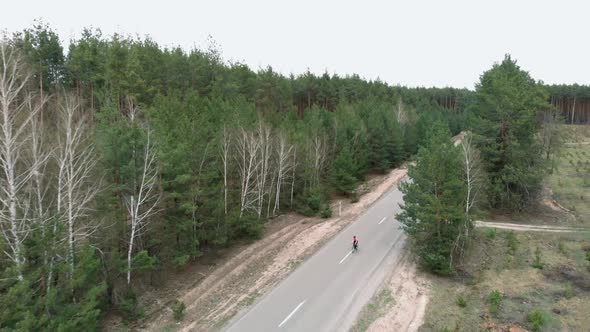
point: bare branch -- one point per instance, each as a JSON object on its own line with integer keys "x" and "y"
{"x": 17, "y": 111}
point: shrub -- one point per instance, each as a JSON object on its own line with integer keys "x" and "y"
{"x": 561, "y": 247}
{"x": 538, "y": 261}
{"x": 491, "y": 233}
{"x": 568, "y": 292}
{"x": 512, "y": 243}
{"x": 537, "y": 319}
{"x": 436, "y": 263}
{"x": 180, "y": 261}
{"x": 143, "y": 262}
{"x": 354, "y": 197}
{"x": 495, "y": 300}
{"x": 309, "y": 202}
{"x": 246, "y": 226}
{"x": 326, "y": 212}
{"x": 178, "y": 309}
{"x": 130, "y": 307}
{"x": 461, "y": 301}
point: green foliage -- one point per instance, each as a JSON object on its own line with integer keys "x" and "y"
{"x": 354, "y": 197}
{"x": 246, "y": 226}
{"x": 309, "y": 202}
{"x": 562, "y": 248}
{"x": 342, "y": 176}
{"x": 186, "y": 102}
{"x": 142, "y": 262}
{"x": 432, "y": 214}
{"x": 538, "y": 260}
{"x": 326, "y": 212}
{"x": 461, "y": 301}
{"x": 178, "y": 310}
{"x": 568, "y": 292}
{"x": 537, "y": 319}
{"x": 495, "y": 301}
{"x": 491, "y": 233}
{"x": 504, "y": 119}
{"x": 130, "y": 308}
{"x": 74, "y": 305}
{"x": 181, "y": 261}
{"x": 42, "y": 47}
{"x": 512, "y": 243}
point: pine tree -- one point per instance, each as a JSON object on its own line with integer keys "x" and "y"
{"x": 432, "y": 213}
{"x": 505, "y": 121}
{"x": 342, "y": 172}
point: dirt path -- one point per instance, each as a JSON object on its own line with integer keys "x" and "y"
{"x": 530, "y": 228}
{"x": 260, "y": 266}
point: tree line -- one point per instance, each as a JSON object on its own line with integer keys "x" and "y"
{"x": 511, "y": 139}
{"x": 122, "y": 159}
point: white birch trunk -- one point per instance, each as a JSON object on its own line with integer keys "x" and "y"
{"x": 143, "y": 201}
{"x": 17, "y": 111}
{"x": 76, "y": 186}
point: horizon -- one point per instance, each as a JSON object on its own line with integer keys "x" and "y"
{"x": 451, "y": 49}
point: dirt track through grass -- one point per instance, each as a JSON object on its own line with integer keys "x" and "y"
{"x": 530, "y": 228}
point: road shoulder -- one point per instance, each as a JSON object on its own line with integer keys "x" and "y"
{"x": 243, "y": 279}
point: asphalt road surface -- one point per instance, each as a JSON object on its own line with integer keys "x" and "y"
{"x": 328, "y": 290}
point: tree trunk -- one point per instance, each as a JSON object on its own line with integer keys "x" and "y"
{"x": 131, "y": 241}
{"x": 574, "y": 110}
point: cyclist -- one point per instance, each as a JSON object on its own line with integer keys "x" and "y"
{"x": 355, "y": 243}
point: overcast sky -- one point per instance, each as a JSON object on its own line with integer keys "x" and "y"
{"x": 415, "y": 43}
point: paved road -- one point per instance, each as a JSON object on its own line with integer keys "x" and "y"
{"x": 326, "y": 292}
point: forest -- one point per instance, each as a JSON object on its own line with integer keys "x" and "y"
{"x": 122, "y": 159}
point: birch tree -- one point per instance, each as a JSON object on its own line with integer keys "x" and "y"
{"x": 225, "y": 146}
{"x": 263, "y": 136}
{"x": 293, "y": 169}
{"x": 473, "y": 179}
{"x": 142, "y": 202}
{"x": 284, "y": 166}
{"x": 39, "y": 189}
{"x": 76, "y": 186}
{"x": 248, "y": 165}
{"x": 400, "y": 113}
{"x": 317, "y": 157}
{"x": 17, "y": 110}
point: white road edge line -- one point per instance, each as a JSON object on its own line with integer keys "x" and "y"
{"x": 292, "y": 313}
{"x": 342, "y": 260}
{"x": 382, "y": 220}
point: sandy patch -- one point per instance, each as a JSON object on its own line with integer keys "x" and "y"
{"x": 410, "y": 293}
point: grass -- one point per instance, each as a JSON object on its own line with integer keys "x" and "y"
{"x": 537, "y": 281}
{"x": 170, "y": 328}
{"x": 495, "y": 300}
{"x": 178, "y": 310}
{"x": 499, "y": 288}
{"x": 249, "y": 300}
{"x": 378, "y": 306}
{"x": 491, "y": 234}
{"x": 512, "y": 243}
{"x": 538, "y": 261}
{"x": 461, "y": 302}
{"x": 570, "y": 181}
{"x": 537, "y": 319}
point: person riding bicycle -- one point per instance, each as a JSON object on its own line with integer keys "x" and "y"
{"x": 355, "y": 243}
